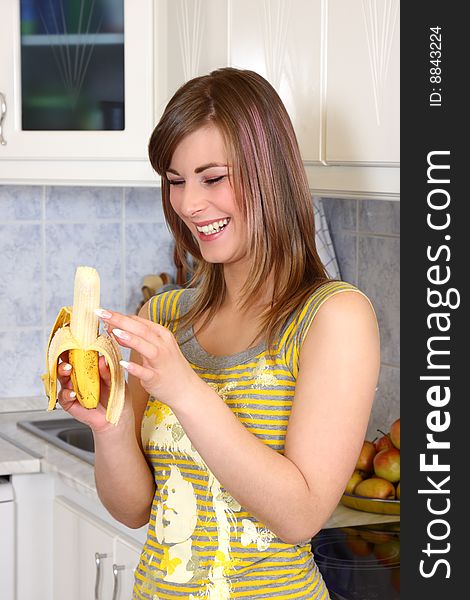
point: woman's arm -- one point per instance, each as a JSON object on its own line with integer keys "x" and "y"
{"x": 124, "y": 480}
{"x": 295, "y": 493}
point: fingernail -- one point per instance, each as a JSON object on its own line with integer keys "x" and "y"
{"x": 124, "y": 364}
{"x": 102, "y": 313}
{"x": 66, "y": 367}
{"x": 72, "y": 394}
{"x": 121, "y": 334}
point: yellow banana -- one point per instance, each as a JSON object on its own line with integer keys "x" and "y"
{"x": 76, "y": 331}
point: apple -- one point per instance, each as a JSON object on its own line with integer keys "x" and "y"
{"x": 383, "y": 443}
{"x": 398, "y": 491}
{"x": 355, "y": 478}
{"x": 375, "y": 488}
{"x": 365, "y": 461}
{"x": 395, "y": 433}
{"x": 387, "y": 464}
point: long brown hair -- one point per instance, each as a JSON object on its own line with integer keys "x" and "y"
{"x": 270, "y": 186}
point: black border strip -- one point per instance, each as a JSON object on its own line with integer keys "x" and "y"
{"x": 434, "y": 271}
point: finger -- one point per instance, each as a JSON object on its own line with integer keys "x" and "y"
{"x": 105, "y": 372}
{"x": 145, "y": 348}
{"x": 64, "y": 371}
{"x": 66, "y": 398}
{"x": 139, "y": 371}
{"x": 133, "y": 324}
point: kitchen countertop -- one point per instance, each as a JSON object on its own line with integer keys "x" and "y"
{"x": 23, "y": 452}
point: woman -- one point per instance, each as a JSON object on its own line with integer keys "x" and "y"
{"x": 249, "y": 395}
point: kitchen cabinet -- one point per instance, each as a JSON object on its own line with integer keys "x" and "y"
{"x": 91, "y": 559}
{"x": 335, "y": 64}
{"x": 107, "y": 142}
{"x": 363, "y": 85}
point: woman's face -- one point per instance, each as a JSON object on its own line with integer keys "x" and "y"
{"x": 202, "y": 196}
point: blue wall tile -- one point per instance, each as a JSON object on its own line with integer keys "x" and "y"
{"x": 144, "y": 204}
{"x": 20, "y": 275}
{"x": 83, "y": 204}
{"x": 149, "y": 250}
{"x": 68, "y": 246}
{"x": 22, "y": 364}
{"x": 18, "y": 202}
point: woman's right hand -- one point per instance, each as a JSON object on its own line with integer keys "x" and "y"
{"x": 93, "y": 417}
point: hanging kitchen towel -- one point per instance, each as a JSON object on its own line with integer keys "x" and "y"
{"x": 325, "y": 247}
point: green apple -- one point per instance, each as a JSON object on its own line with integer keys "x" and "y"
{"x": 387, "y": 464}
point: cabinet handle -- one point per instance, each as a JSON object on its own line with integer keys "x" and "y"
{"x": 116, "y": 569}
{"x": 3, "y": 112}
{"x": 98, "y": 558}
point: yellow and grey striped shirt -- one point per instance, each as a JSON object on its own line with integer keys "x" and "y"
{"x": 201, "y": 543}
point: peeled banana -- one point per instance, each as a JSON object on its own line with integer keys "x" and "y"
{"x": 76, "y": 330}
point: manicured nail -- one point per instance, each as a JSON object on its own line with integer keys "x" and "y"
{"x": 124, "y": 364}
{"x": 102, "y": 313}
{"x": 72, "y": 394}
{"x": 121, "y": 334}
{"x": 66, "y": 367}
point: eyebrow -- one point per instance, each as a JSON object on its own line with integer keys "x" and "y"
{"x": 199, "y": 169}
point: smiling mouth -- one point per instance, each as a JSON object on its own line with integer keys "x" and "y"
{"x": 214, "y": 227}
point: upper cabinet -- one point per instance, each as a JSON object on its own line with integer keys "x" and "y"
{"x": 362, "y": 83}
{"x": 76, "y": 80}
{"x": 335, "y": 64}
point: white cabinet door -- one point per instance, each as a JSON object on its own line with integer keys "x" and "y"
{"x": 91, "y": 559}
{"x": 78, "y": 155}
{"x": 281, "y": 40}
{"x": 83, "y": 554}
{"x": 65, "y": 552}
{"x": 363, "y": 86}
{"x": 96, "y": 544}
{"x": 190, "y": 40}
{"x": 126, "y": 559}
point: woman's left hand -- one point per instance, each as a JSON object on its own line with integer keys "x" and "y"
{"x": 164, "y": 372}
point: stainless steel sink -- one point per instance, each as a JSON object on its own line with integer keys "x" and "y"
{"x": 65, "y": 433}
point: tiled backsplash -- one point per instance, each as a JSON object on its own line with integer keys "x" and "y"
{"x": 366, "y": 237}
{"x": 46, "y": 232}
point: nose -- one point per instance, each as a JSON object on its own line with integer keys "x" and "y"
{"x": 192, "y": 200}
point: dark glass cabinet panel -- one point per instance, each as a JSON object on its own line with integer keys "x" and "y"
{"x": 72, "y": 65}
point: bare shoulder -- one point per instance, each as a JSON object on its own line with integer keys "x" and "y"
{"x": 348, "y": 310}
{"x": 345, "y": 324}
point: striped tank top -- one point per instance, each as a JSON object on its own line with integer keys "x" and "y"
{"x": 201, "y": 543}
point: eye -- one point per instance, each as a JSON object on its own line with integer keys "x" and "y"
{"x": 213, "y": 180}
{"x": 175, "y": 181}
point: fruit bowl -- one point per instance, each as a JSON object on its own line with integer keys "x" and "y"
{"x": 372, "y": 505}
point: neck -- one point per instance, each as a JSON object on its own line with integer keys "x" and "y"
{"x": 235, "y": 277}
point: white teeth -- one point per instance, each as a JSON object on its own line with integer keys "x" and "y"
{"x": 214, "y": 227}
